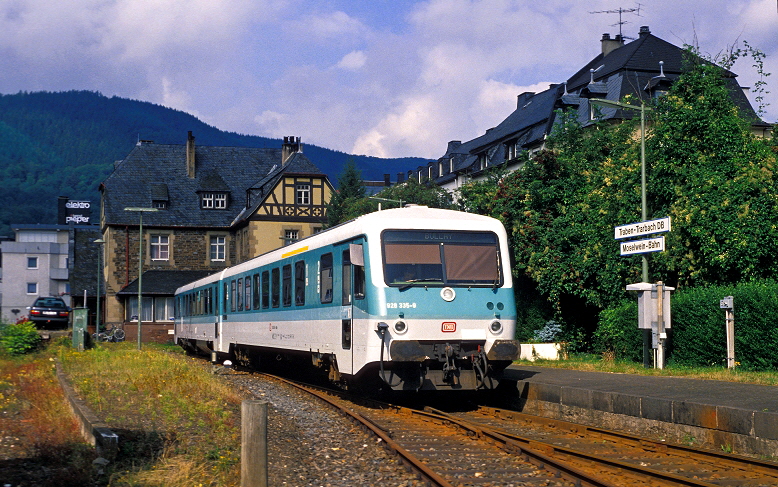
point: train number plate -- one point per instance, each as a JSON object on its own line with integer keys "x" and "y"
{"x": 448, "y": 326}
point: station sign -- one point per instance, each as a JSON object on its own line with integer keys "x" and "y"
{"x": 656, "y": 244}
{"x": 642, "y": 228}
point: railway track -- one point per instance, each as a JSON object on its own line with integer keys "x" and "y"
{"x": 494, "y": 447}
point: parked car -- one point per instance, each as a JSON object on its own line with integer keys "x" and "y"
{"x": 49, "y": 312}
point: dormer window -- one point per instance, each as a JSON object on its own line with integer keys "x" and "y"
{"x": 213, "y": 201}
{"x": 159, "y": 204}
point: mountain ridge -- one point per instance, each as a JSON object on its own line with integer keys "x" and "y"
{"x": 65, "y": 143}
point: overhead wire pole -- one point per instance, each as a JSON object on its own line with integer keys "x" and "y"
{"x": 140, "y": 263}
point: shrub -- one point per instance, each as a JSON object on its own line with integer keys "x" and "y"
{"x": 20, "y": 338}
{"x": 617, "y": 332}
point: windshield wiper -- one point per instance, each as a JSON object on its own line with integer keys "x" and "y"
{"x": 411, "y": 282}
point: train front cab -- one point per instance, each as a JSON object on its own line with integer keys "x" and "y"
{"x": 447, "y": 313}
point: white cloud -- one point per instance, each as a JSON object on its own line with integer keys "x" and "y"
{"x": 353, "y": 61}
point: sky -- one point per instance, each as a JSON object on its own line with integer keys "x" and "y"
{"x": 387, "y": 78}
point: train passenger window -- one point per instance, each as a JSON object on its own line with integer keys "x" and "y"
{"x": 225, "y": 298}
{"x": 359, "y": 282}
{"x": 346, "y": 294}
{"x": 255, "y": 297}
{"x": 233, "y": 295}
{"x": 287, "y": 285}
{"x": 248, "y": 292}
{"x": 240, "y": 294}
{"x": 299, "y": 283}
{"x": 325, "y": 278}
{"x": 276, "y": 287}
{"x": 265, "y": 290}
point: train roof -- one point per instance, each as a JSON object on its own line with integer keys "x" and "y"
{"x": 409, "y": 217}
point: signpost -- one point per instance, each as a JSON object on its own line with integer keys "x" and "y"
{"x": 653, "y": 308}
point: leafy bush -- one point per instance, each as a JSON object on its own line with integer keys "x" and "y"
{"x": 19, "y": 338}
{"x": 617, "y": 332}
{"x": 549, "y": 333}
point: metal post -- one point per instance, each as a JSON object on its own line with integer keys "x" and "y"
{"x": 643, "y": 201}
{"x": 140, "y": 274}
{"x": 660, "y": 327}
{"x": 253, "y": 454}
{"x": 730, "y": 317}
{"x": 99, "y": 243}
{"x": 140, "y": 264}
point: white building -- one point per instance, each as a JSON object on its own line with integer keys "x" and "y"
{"x": 35, "y": 264}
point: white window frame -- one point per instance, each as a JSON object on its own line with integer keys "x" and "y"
{"x": 303, "y": 191}
{"x": 216, "y": 244}
{"x": 159, "y": 247}
{"x": 291, "y": 235}
{"x": 220, "y": 201}
{"x": 206, "y": 201}
{"x": 32, "y": 266}
{"x": 35, "y": 286}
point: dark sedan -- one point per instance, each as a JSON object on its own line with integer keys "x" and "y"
{"x": 49, "y": 313}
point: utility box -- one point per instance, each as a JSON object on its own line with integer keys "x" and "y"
{"x": 648, "y": 305}
{"x": 80, "y": 316}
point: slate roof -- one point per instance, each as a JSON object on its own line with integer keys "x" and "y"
{"x": 628, "y": 69}
{"x": 162, "y": 283}
{"x": 151, "y": 171}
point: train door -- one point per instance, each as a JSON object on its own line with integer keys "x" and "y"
{"x": 353, "y": 292}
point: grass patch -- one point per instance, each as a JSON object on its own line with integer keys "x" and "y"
{"x": 178, "y": 425}
{"x": 40, "y": 436}
{"x": 596, "y": 363}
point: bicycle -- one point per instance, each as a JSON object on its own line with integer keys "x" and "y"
{"x": 113, "y": 335}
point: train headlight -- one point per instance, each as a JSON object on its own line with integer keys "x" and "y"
{"x": 496, "y": 327}
{"x": 448, "y": 294}
{"x": 400, "y": 327}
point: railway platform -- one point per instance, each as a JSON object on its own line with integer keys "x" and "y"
{"x": 735, "y": 417}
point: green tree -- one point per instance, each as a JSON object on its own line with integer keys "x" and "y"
{"x": 716, "y": 181}
{"x": 350, "y": 190}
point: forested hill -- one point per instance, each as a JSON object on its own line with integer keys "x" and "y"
{"x": 65, "y": 144}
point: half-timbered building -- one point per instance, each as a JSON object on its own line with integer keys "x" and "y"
{"x": 202, "y": 209}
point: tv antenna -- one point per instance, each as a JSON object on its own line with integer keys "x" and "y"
{"x": 620, "y": 11}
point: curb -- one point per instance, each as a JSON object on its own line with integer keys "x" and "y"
{"x": 96, "y": 432}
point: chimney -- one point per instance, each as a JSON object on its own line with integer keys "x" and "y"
{"x": 387, "y": 182}
{"x": 290, "y": 146}
{"x": 190, "y": 155}
{"x": 609, "y": 45}
{"x": 523, "y": 98}
{"x": 644, "y": 30}
{"x": 400, "y": 177}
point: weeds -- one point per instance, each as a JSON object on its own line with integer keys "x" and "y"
{"x": 178, "y": 425}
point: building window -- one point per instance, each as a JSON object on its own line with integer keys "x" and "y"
{"x": 32, "y": 262}
{"x": 160, "y": 247}
{"x": 164, "y": 309}
{"x": 218, "y": 248}
{"x": 511, "y": 150}
{"x": 32, "y": 288}
{"x": 291, "y": 236}
{"x": 216, "y": 201}
{"x": 303, "y": 194}
{"x": 159, "y": 204}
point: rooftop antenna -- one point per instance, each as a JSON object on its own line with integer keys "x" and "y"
{"x": 620, "y": 11}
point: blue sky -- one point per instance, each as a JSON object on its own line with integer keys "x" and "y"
{"x": 383, "y": 78}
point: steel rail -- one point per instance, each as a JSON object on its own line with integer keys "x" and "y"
{"x": 552, "y": 449}
{"x": 734, "y": 460}
{"x": 407, "y": 458}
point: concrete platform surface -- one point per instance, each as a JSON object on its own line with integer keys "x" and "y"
{"x": 708, "y": 413}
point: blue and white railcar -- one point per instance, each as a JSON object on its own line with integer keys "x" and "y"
{"x": 416, "y": 297}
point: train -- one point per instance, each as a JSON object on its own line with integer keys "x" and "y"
{"x": 404, "y": 299}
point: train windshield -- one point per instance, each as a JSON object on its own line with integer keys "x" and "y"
{"x": 444, "y": 258}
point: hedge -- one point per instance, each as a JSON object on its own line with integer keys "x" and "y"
{"x": 697, "y": 336}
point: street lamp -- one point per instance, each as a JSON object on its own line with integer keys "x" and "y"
{"x": 99, "y": 243}
{"x": 140, "y": 259}
{"x": 643, "y": 206}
